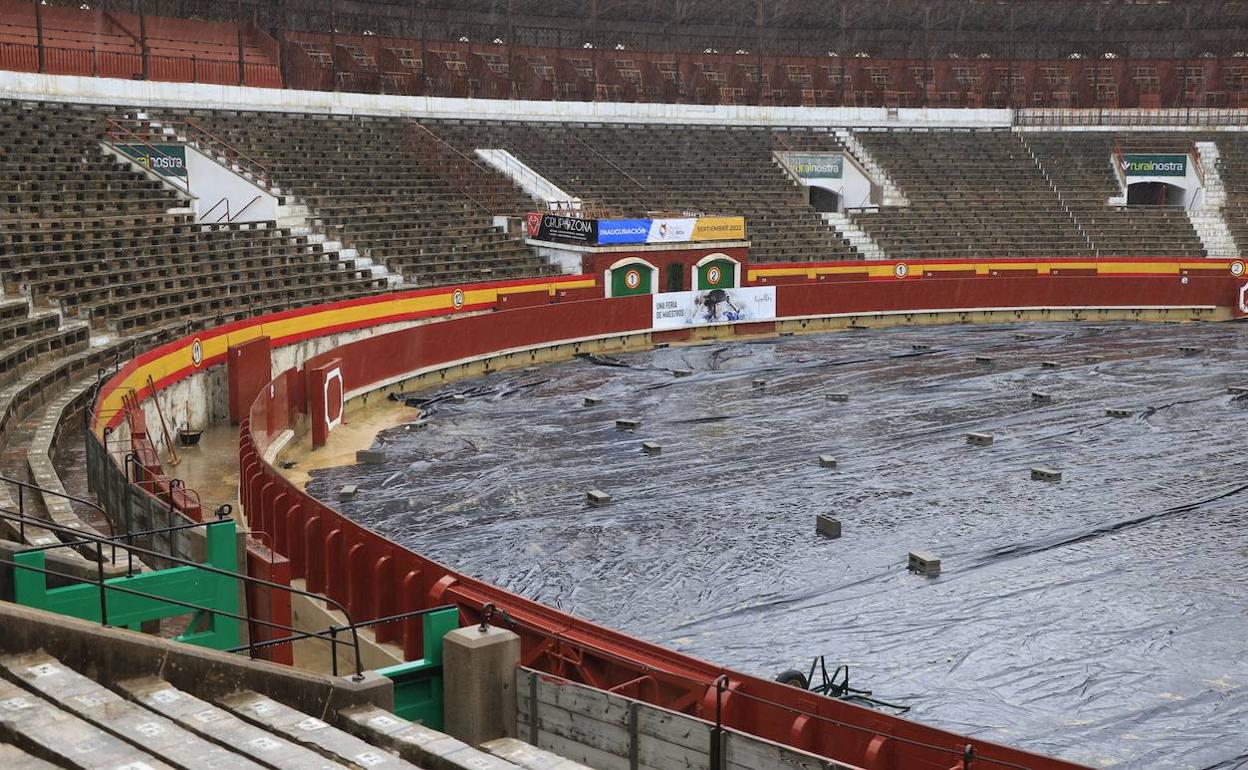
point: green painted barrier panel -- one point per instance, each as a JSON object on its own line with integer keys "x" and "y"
{"x": 185, "y": 584}
{"x": 418, "y": 683}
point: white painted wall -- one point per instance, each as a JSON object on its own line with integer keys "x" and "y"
{"x": 112, "y": 91}
{"x": 533, "y": 183}
{"x": 854, "y": 185}
{"x": 211, "y": 181}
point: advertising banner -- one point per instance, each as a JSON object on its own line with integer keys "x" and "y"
{"x": 623, "y": 231}
{"x": 164, "y": 159}
{"x": 561, "y": 229}
{"x": 824, "y": 166}
{"x": 611, "y": 232}
{"x": 719, "y": 229}
{"x": 671, "y": 230}
{"x": 681, "y": 309}
{"x": 1154, "y": 165}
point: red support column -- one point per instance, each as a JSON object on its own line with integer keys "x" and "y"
{"x": 248, "y": 370}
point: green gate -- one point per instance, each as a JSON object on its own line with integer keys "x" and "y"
{"x": 632, "y": 278}
{"x": 206, "y": 590}
{"x": 717, "y": 274}
{"x": 418, "y": 683}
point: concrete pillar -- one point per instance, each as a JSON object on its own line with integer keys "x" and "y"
{"x": 479, "y": 683}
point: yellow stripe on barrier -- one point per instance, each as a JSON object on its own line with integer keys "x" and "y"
{"x": 1042, "y": 267}
{"x": 214, "y": 344}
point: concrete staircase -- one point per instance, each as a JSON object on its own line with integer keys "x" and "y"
{"x": 1207, "y": 218}
{"x": 292, "y": 213}
{"x": 891, "y": 194}
{"x": 857, "y": 237}
{"x": 117, "y": 707}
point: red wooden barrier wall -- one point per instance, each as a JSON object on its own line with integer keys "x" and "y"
{"x": 349, "y": 563}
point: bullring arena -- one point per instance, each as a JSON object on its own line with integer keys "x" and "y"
{"x": 446, "y": 385}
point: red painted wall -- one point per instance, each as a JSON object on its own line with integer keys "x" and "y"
{"x": 349, "y": 563}
{"x": 248, "y": 369}
{"x": 1005, "y": 291}
{"x": 596, "y": 264}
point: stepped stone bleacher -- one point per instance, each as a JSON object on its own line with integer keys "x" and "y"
{"x": 972, "y": 194}
{"x": 100, "y": 240}
{"x": 636, "y": 171}
{"x": 104, "y": 699}
{"x": 97, "y": 260}
{"x": 1080, "y": 164}
{"x": 384, "y": 187}
{"x": 1233, "y": 167}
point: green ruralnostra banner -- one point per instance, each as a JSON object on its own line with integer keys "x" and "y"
{"x": 1154, "y": 165}
{"x": 807, "y": 166}
{"x": 164, "y": 159}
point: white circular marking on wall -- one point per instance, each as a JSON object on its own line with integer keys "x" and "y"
{"x": 632, "y": 279}
{"x": 197, "y": 352}
{"x": 457, "y": 298}
{"x": 713, "y": 274}
{"x": 1237, "y": 268}
{"x": 901, "y": 270}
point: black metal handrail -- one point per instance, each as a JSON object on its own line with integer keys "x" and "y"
{"x": 248, "y": 580}
{"x": 334, "y": 629}
{"x": 35, "y": 521}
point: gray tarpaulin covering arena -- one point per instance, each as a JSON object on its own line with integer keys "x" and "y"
{"x": 1102, "y": 618}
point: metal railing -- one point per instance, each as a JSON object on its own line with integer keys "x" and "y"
{"x": 453, "y": 165}
{"x": 351, "y": 627}
{"x": 199, "y": 134}
{"x": 644, "y": 205}
{"x": 23, "y": 486}
{"x": 119, "y": 133}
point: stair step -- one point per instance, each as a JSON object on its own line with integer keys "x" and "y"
{"x": 220, "y": 726}
{"x": 15, "y": 758}
{"x": 311, "y": 732}
{"x": 40, "y": 728}
{"x": 416, "y": 743}
{"x": 530, "y": 757}
{"x": 114, "y": 714}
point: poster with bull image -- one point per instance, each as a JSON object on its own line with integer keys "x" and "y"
{"x": 680, "y": 309}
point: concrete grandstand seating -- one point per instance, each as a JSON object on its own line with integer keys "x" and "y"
{"x": 998, "y": 193}
{"x": 1233, "y": 166}
{"x": 972, "y": 194}
{"x": 107, "y": 244}
{"x": 1079, "y": 164}
{"x": 376, "y": 185}
{"x": 81, "y": 696}
{"x": 97, "y": 260}
{"x": 670, "y": 170}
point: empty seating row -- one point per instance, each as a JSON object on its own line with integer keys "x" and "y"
{"x": 636, "y": 170}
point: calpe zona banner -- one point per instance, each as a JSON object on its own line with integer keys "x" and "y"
{"x": 680, "y": 309}
{"x": 561, "y": 229}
